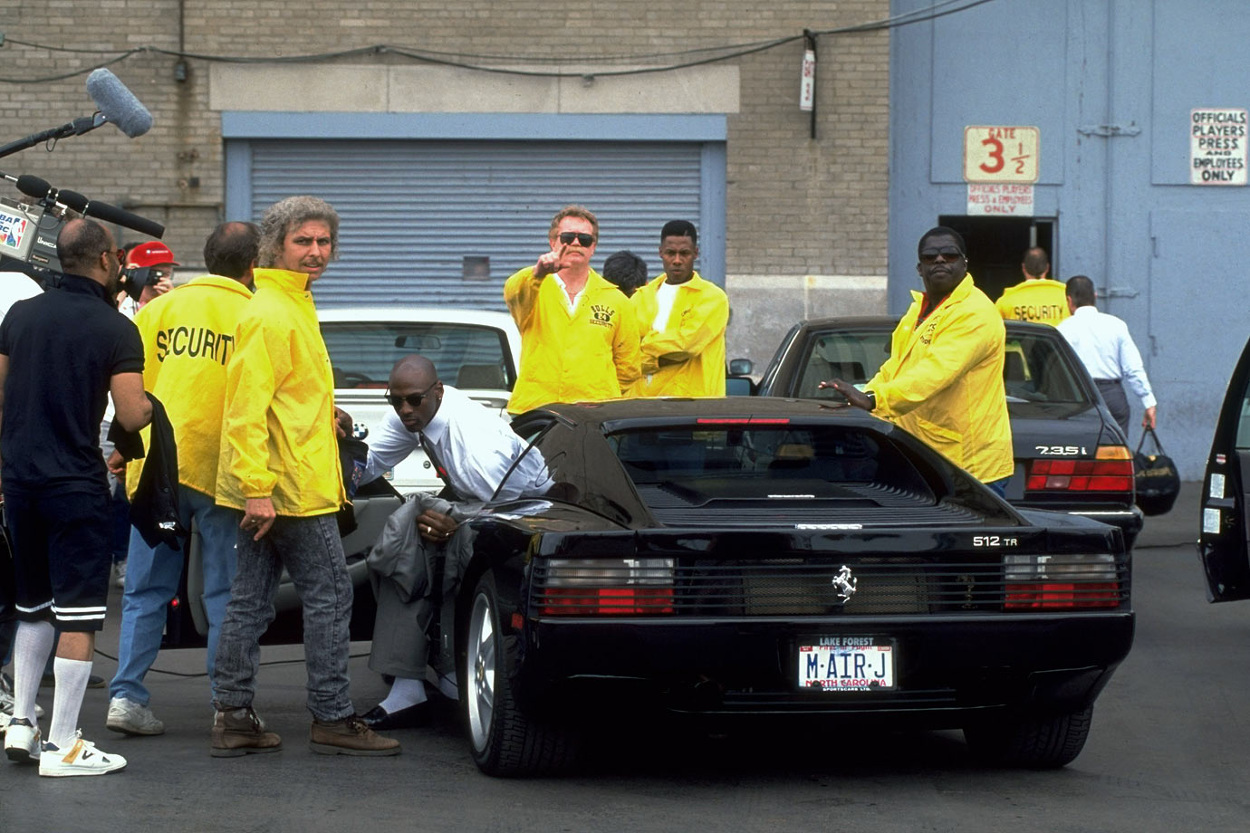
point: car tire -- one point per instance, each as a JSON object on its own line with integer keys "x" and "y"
{"x": 504, "y": 739}
{"x": 1035, "y": 742}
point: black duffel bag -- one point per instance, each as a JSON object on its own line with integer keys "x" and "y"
{"x": 1158, "y": 482}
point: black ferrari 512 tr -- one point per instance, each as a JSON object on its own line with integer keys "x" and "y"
{"x": 761, "y": 556}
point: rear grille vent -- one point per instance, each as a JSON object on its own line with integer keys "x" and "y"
{"x": 809, "y": 587}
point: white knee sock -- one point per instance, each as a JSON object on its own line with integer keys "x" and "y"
{"x": 404, "y": 693}
{"x": 72, "y": 676}
{"x": 31, "y": 647}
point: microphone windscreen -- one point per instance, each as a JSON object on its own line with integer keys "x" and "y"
{"x": 33, "y": 186}
{"x": 110, "y": 213}
{"x": 118, "y": 104}
{"x": 72, "y": 200}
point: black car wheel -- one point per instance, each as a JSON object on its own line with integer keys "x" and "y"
{"x": 505, "y": 740}
{"x": 1038, "y": 742}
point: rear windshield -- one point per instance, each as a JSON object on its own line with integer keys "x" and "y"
{"x": 466, "y": 356}
{"x": 786, "y": 462}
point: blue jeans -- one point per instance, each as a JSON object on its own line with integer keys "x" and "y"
{"x": 152, "y": 580}
{"x": 312, "y": 552}
{"x": 1000, "y": 486}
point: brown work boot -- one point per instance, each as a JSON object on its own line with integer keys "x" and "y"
{"x": 349, "y": 736}
{"x": 240, "y": 732}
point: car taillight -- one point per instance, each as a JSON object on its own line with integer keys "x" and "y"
{"x": 1060, "y": 582}
{"x": 606, "y": 587}
{"x": 1110, "y": 471}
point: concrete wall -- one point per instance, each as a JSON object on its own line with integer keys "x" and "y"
{"x": 806, "y": 218}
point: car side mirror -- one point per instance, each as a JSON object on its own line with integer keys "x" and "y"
{"x": 738, "y": 381}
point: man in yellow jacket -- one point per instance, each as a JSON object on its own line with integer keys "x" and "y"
{"x": 579, "y": 338}
{"x": 682, "y": 318}
{"x": 188, "y": 338}
{"x": 1037, "y": 297}
{"x": 943, "y": 381}
{"x": 280, "y": 466}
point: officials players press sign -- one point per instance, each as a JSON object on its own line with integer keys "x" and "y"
{"x": 1217, "y": 147}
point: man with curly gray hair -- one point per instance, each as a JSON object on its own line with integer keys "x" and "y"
{"x": 280, "y": 466}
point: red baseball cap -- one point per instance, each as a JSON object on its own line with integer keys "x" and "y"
{"x": 152, "y": 253}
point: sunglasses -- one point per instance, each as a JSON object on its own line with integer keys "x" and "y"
{"x": 948, "y": 255}
{"x": 414, "y": 400}
{"x": 583, "y": 239}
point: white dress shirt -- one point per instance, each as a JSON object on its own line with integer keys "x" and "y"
{"x": 475, "y": 445}
{"x": 1107, "y": 350}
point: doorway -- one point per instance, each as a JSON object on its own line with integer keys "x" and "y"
{"x": 996, "y": 245}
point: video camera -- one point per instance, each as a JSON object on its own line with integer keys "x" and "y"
{"x": 28, "y": 229}
{"x": 136, "y": 278}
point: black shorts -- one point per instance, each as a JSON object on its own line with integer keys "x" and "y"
{"x": 62, "y": 555}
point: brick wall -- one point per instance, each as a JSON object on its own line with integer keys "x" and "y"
{"x": 796, "y": 206}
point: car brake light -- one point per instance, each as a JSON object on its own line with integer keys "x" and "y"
{"x": 606, "y": 587}
{"x": 1110, "y": 471}
{"x": 1060, "y": 582}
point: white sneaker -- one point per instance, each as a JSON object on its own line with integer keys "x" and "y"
{"x": 81, "y": 759}
{"x": 131, "y": 718}
{"x": 21, "y": 741}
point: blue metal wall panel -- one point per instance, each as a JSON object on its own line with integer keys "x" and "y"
{"x": 1111, "y": 84}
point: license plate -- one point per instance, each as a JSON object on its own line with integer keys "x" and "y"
{"x": 846, "y": 663}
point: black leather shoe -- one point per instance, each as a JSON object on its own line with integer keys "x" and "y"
{"x": 412, "y": 717}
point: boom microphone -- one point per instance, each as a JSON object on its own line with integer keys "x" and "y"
{"x": 109, "y": 213}
{"x": 117, "y": 104}
{"x": 34, "y": 186}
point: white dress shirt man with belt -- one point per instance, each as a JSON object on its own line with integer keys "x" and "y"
{"x": 1107, "y": 350}
{"x": 472, "y": 448}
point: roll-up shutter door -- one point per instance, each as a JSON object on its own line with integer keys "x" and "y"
{"x": 426, "y": 222}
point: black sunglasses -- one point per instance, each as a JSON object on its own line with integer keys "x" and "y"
{"x": 583, "y": 239}
{"x": 414, "y": 400}
{"x": 948, "y": 255}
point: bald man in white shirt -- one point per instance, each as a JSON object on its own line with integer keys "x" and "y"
{"x": 473, "y": 448}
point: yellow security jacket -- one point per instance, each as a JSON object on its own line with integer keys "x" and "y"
{"x": 590, "y": 354}
{"x": 188, "y": 338}
{"x": 278, "y": 437}
{"x": 688, "y": 357}
{"x": 1040, "y": 300}
{"x": 943, "y": 382}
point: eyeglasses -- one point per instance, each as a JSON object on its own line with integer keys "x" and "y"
{"x": 948, "y": 255}
{"x": 414, "y": 400}
{"x": 583, "y": 239}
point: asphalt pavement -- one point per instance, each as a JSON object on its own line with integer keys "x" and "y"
{"x": 1167, "y": 751}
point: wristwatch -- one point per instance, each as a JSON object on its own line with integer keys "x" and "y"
{"x": 872, "y": 400}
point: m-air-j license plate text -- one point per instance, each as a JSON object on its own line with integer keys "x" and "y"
{"x": 846, "y": 663}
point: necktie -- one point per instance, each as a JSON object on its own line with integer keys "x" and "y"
{"x": 439, "y": 468}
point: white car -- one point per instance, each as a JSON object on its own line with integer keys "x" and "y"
{"x": 475, "y": 351}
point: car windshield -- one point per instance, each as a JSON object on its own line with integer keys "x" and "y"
{"x": 466, "y": 356}
{"x": 1039, "y": 380}
{"x": 704, "y": 464}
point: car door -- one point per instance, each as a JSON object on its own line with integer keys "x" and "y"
{"x": 1222, "y": 542}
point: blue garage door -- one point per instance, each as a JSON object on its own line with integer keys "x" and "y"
{"x": 445, "y": 222}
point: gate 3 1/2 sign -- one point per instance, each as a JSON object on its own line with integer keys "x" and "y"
{"x": 1001, "y": 154}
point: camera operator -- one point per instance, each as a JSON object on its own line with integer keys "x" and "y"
{"x": 149, "y": 272}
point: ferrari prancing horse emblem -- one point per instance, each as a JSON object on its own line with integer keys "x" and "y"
{"x": 845, "y": 583}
